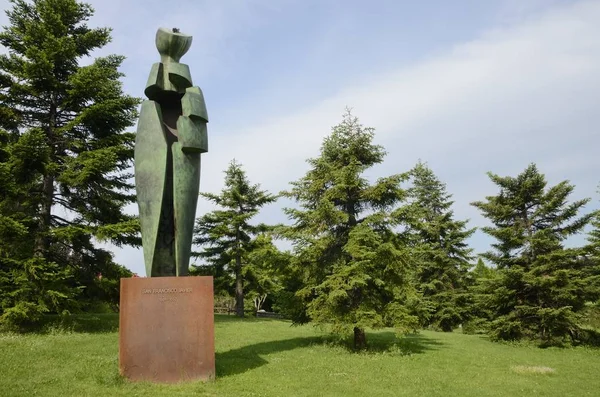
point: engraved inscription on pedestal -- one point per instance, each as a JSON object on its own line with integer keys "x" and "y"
{"x": 166, "y": 329}
{"x": 166, "y": 294}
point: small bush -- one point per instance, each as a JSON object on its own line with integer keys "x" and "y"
{"x": 22, "y": 315}
{"x": 587, "y": 336}
{"x": 591, "y": 316}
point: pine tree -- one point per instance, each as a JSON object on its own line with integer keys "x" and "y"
{"x": 481, "y": 271}
{"x": 479, "y": 279}
{"x": 592, "y": 261}
{"x": 441, "y": 250}
{"x": 226, "y": 234}
{"x": 355, "y": 273}
{"x": 594, "y": 236}
{"x": 67, "y": 150}
{"x": 264, "y": 274}
{"x": 542, "y": 286}
{"x": 29, "y": 287}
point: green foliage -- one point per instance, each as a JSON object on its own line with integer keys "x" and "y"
{"x": 440, "y": 251}
{"x": 354, "y": 271}
{"x": 594, "y": 236}
{"x": 592, "y": 259}
{"x": 287, "y": 279}
{"x": 226, "y": 235}
{"x": 542, "y": 287}
{"x": 64, "y": 156}
{"x": 478, "y": 286}
{"x": 481, "y": 272}
{"x": 265, "y": 274}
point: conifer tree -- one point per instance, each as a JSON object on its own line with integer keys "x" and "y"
{"x": 542, "y": 286}
{"x": 441, "y": 250}
{"x": 481, "y": 271}
{"x": 594, "y": 237}
{"x": 592, "y": 257}
{"x": 63, "y": 126}
{"x": 226, "y": 234}
{"x": 264, "y": 274}
{"x": 29, "y": 286}
{"x": 478, "y": 287}
{"x": 355, "y": 272}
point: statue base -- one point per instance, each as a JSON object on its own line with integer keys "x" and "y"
{"x": 166, "y": 329}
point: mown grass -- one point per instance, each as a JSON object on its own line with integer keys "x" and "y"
{"x": 263, "y": 357}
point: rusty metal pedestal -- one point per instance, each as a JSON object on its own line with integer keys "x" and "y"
{"x": 166, "y": 329}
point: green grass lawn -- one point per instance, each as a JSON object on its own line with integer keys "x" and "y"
{"x": 271, "y": 358}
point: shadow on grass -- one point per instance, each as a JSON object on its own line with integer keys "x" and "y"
{"x": 245, "y": 358}
{"x": 249, "y": 357}
{"x": 80, "y": 323}
{"x": 387, "y": 342}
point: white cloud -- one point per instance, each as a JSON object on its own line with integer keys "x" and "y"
{"x": 520, "y": 94}
{"x": 516, "y": 95}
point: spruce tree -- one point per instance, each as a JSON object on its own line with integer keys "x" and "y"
{"x": 479, "y": 316}
{"x": 481, "y": 271}
{"x": 29, "y": 286}
{"x": 594, "y": 236}
{"x": 63, "y": 126}
{"x": 441, "y": 251}
{"x": 226, "y": 234}
{"x": 264, "y": 274}
{"x": 355, "y": 272}
{"x": 592, "y": 259}
{"x": 542, "y": 286}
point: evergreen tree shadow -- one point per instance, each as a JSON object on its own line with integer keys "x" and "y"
{"x": 387, "y": 342}
{"x": 245, "y": 358}
{"x": 237, "y": 361}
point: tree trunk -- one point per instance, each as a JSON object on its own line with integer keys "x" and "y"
{"x": 42, "y": 240}
{"x": 360, "y": 339}
{"x": 239, "y": 287}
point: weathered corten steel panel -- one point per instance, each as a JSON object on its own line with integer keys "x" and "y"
{"x": 166, "y": 329}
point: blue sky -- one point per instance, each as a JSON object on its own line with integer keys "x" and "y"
{"x": 468, "y": 86}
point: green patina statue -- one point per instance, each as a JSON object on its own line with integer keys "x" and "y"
{"x": 171, "y": 135}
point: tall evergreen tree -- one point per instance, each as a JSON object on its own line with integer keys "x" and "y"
{"x": 226, "y": 234}
{"x": 592, "y": 259}
{"x": 594, "y": 236}
{"x": 29, "y": 286}
{"x": 542, "y": 286}
{"x": 355, "y": 272}
{"x": 441, "y": 250}
{"x": 64, "y": 136}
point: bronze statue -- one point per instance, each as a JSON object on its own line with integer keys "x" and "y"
{"x": 171, "y": 136}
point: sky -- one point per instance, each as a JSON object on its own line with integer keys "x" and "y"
{"x": 467, "y": 86}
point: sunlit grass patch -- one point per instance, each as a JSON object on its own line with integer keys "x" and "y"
{"x": 531, "y": 369}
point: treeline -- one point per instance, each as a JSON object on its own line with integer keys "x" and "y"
{"x": 391, "y": 253}
{"x": 365, "y": 254}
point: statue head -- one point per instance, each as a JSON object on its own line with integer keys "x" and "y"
{"x": 172, "y": 44}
